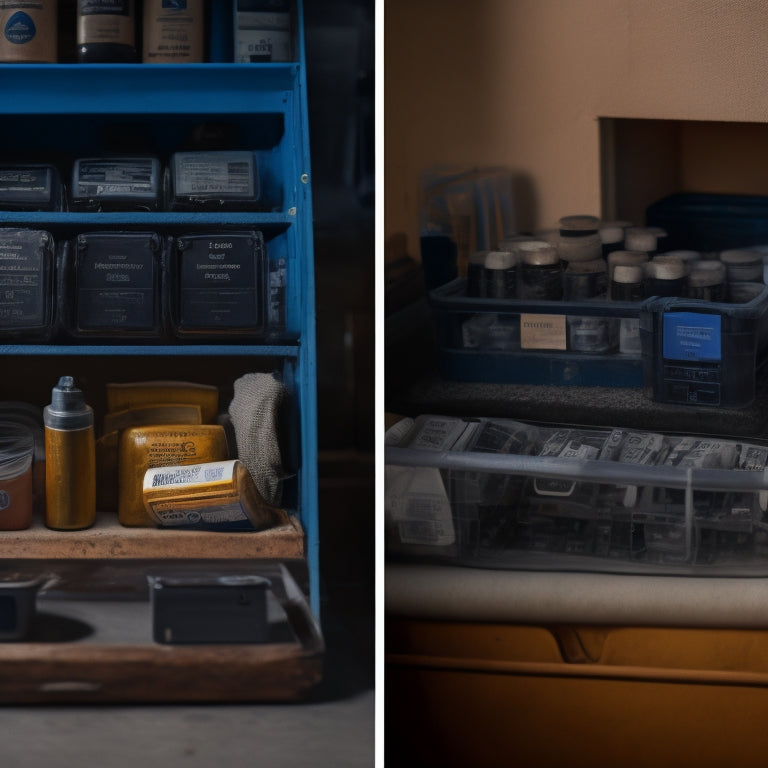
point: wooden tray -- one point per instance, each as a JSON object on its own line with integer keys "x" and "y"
{"x": 91, "y": 641}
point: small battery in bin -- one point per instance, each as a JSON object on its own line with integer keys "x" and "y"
{"x": 116, "y": 184}
{"x": 209, "y": 609}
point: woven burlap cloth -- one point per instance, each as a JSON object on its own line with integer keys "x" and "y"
{"x": 255, "y": 411}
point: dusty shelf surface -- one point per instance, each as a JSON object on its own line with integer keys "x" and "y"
{"x": 109, "y": 539}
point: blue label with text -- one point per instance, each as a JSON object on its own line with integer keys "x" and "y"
{"x": 692, "y": 336}
{"x": 20, "y": 28}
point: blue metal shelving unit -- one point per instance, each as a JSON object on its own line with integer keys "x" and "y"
{"x": 63, "y": 107}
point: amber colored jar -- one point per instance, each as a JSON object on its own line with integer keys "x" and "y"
{"x": 16, "y": 494}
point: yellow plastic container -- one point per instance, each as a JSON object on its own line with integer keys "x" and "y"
{"x": 143, "y": 448}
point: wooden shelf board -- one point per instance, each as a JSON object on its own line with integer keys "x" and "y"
{"x": 109, "y": 539}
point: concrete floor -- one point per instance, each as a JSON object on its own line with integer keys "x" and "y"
{"x": 337, "y": 734}
{"x": 334, "y": 727}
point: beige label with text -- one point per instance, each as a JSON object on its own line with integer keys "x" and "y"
{"x": 543, "y": 332}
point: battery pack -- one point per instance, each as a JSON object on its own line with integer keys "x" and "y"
{"x": 209, "y": 609}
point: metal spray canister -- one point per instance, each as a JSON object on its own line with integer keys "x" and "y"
{"x": 70, "y": 459}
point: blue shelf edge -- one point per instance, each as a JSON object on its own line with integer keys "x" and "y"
{"x": 162, "y": 350}
{"x": 145, "y": 218}
{"x": 37, "y": 89}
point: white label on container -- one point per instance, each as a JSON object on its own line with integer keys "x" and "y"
{"x": 182, "y": 475}
{"x": 438, "y": 434}
{"x": 262, "y": 45}
{"x": 221, "y": 513}
{"x": 228, "y": 173}
{"x": 395, "y": 434}
{"x": 543, "y": 332}
{"x": 417, "y": 506}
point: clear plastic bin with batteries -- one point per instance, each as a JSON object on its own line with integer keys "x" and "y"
{"x": 503, "y": 493}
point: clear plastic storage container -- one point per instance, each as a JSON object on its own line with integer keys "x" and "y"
{"x": 505, "y": 494}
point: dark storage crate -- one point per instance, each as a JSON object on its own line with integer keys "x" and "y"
{"x": 709, "y": 222}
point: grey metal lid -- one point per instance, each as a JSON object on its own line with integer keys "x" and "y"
{"x": 68, "y": 409}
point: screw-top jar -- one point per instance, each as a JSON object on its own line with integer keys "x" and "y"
{"x": 540, "y": 271}
{"x": 707, "y": 280}
{"x": 612, "y": 236}
{"x": 625, "y": 258}
{"x": 585, "y": 280}
{"x": 579, "y": 239}
{"x": 627, "y": 283}
{"x": 666, "y": 276}
{"x": 641, "y": 239}
{"x": 743, "y": 265}
{"x": 16, "y": 487}
{"x": 500, "y": 274}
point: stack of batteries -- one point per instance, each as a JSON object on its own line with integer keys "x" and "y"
{"x": 137, "y": 282}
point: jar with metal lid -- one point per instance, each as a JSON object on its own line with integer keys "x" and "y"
{"x": 579, "y": 238}
{"x": 707, "y": 281}
{"x": 541, "y": 273}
